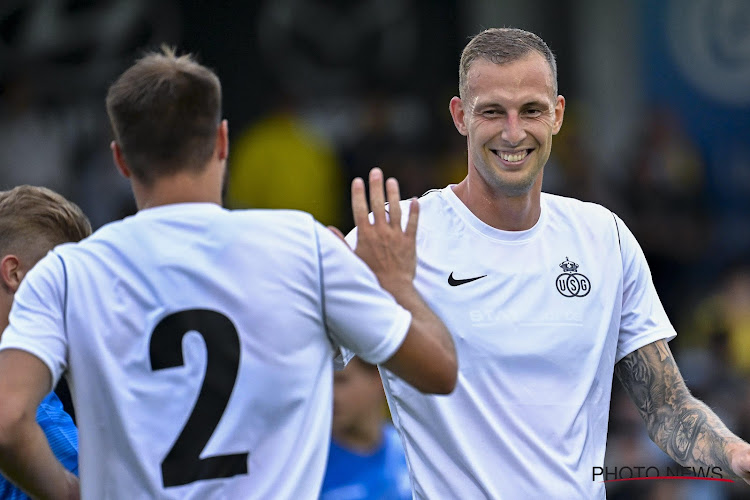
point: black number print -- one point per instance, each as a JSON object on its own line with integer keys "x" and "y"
{"x": 183, "y": 464}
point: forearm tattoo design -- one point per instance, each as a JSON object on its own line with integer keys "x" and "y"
{"x": 684, "y": 427}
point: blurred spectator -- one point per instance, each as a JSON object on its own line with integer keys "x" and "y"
{"x": 34, "y": 142}
{"x": 280, "y": 162}
{"x": 101, "y": 191}
{"x": 726, "y": 311}
{"x": 665, "y": 196}
{"x": 366, "y": 459}
{"x": 395, "y": 134}
{"x": 570, "y": 171}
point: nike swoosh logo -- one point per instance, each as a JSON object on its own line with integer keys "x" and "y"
{"x": 454, "y": 282}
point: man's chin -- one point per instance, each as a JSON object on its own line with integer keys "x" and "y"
{"x": 515, "y": 187}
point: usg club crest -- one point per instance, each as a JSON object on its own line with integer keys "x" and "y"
{"x": 571, "y": 283}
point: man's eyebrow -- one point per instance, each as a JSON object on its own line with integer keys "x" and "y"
{"x": 495, "y": 104}
{"x": 488, "y": 104}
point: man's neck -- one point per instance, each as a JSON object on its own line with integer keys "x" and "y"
{"x": 182, "y": 187}
{"x": 365, "y": 437}
{"x": 507, "y": 213}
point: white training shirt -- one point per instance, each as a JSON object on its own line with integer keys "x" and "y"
{"x": 539, "y": 319}
{"x": 255, "y": 301}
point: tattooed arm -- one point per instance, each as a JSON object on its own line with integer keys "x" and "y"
{"x": 681, "y": 425}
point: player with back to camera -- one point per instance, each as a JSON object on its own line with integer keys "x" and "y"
{"x": 198, "y": 341}
{"x": 33, "y": 220}
{"x": 547, "y": 297}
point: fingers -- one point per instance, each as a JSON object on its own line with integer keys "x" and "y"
{"x": 377, "y": 195}
{"x": 394, "y": 201}
{"x": 411, "y": 224}
{"x": 377, "y": 202}
{"x": 359, "y": 203}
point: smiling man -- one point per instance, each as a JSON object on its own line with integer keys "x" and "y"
{"x": 547, "y": 298}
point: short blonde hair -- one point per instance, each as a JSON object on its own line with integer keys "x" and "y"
{"x": 34, "y": 219}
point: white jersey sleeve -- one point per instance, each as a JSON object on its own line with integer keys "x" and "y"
{"x": 643, "y": 319}
{"x": 351, "y": 296}
{"x": 39, "y": 316}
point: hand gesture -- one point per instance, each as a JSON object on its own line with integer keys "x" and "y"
{"x": 383, "y": 245}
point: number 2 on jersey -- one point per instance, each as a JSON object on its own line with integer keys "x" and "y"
{"x": 183, "y": 464}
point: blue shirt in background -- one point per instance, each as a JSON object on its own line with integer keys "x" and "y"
{"x": 62, "y": 435}
{"x": 382, "y": 475}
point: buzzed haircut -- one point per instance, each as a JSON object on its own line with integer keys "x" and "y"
{"x": 501, "y": 46}
{"x": 34, "y": 219}
{"x": 165, "y": 111}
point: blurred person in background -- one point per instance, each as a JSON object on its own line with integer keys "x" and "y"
{"x": 33, "y": 220}
{"x": 203, "y": 337}
{"x": 725, "y": 311}
{"x": 547, "y": 297}
{"x": 366, "y": 459}
{"x": 282, "y": 162}
{"x": 28, "y": 132}
{"x": 665, "y": 198}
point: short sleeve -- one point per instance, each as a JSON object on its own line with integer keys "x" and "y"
{"x": 36, "y": 322}
{"x": 643, "y": 319}
{"x": 360, "y": 316}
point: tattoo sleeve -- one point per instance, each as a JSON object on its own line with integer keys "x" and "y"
{"x": 681, "y": 425}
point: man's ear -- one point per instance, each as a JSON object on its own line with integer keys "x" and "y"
{"x": 11, "y": 272}
{"x": 119, "y": 159}
{"x": 458, "y": 113}
{"x": 559, "y": 112}
{"x": 222, "y": 140}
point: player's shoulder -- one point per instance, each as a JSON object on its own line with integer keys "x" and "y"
{"x": 99, "y": 240}
{"x": 283, "y": 226}
{"x": 427, "y": 198}
{"x": 274, "y": 217}
{"x": 225, "y": 224}
{"x": 432, "y": 198}
{"x": 432, "y": 206}
{"x": 578, "y": 212}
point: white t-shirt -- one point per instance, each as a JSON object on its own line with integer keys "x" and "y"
{"x": 539, "y": 319}
{"x": 188, "y": 332}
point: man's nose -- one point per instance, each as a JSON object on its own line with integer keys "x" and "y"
{"x": 513, "y": 131}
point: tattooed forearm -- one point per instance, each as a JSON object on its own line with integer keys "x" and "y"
{"x": 684, "y": 427}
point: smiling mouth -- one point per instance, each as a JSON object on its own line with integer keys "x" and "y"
{"x": 512, "y": 157}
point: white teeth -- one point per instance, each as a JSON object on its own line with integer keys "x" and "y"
{"x": 513, "y": 157}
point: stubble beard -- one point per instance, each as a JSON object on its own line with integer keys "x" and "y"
{"x": 502, "y": 185}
